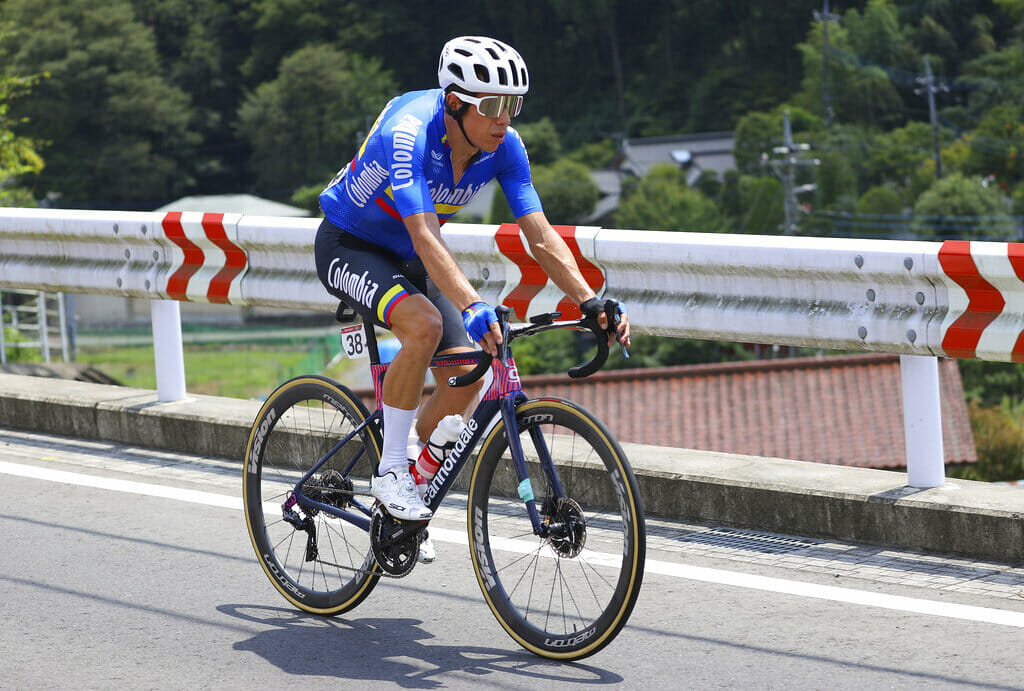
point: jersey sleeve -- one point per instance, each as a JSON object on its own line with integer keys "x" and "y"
{"x": 515, "y": 180}
{"x": 405, "y": 144}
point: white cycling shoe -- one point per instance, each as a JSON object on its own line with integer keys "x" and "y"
{"x": 426, "y": 554}
{"x": 396, "y": 491}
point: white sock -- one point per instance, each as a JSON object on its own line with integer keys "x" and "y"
{"x": 397, "y": 423}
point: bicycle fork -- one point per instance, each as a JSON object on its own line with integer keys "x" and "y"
{"x": 541, "y": 527}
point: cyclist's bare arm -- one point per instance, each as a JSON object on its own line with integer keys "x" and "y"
{"x": 555, "y": 257}
{"x": 425, "y": 231}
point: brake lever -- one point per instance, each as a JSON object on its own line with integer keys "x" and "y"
{"x": 613, "y": 314}
{"x": 503, "y": 313}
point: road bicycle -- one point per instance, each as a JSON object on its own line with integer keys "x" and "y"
{"x": 555, "y": 521}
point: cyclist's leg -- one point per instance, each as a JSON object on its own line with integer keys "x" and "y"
{"x": 417, "y": 325}
{"x": 372, "y": 282}
{"x": 445, "y": 400}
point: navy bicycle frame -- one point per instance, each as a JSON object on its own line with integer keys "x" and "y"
{"x": 504, "y": 394}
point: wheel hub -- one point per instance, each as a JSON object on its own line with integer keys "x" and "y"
{"x": 567, "y": 528}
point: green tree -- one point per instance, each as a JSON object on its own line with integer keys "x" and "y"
{"x": 542, "y": 141}
{"x": 663, "y": 201}
{"x": 997, "y": 145}
{"x": 305, "y": 123}
{"x": 860, "y": 47}
{"x": 281, "y": 27}
{"x": 956, "y": 206}
{"x": 999, "y": 438}
{"x": 594, "y": 155}
{"x": 990, "y": 80}
{"x": 880, "y": 201}
{"x": 18, "y": 156}
{"x": 895, "y": 156}
{"x": 202, "y": 44}
{"x": 115, "y": 130}
{"x": 761, "y": 205}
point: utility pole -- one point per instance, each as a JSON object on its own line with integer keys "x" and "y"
{"x": 825, "y": 17}
{"x": 929, "y": 89}
{"x": 785, "y": 168}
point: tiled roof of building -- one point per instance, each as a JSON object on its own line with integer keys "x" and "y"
{"x": 844, "y": 410}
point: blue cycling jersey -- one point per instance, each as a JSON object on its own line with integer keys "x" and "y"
{"x": 404, "y": 167}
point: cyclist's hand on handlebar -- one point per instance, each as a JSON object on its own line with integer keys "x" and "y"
{"x": 481, "y": 324}
{"x": 596, "y": 307}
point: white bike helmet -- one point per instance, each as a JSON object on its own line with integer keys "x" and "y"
{"x": 477, "y": 64}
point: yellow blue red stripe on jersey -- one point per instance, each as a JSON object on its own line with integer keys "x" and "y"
{"x": 388, "y": 302}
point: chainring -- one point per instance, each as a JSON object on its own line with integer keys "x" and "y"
{"x": 395, "y": 544}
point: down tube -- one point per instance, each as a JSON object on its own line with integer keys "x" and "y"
{"x": 464, "y": 445}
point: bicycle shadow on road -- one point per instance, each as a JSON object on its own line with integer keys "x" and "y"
{"x": 378, "y": 649}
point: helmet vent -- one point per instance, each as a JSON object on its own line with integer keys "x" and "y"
{"x": 514, "y": 71}
{"x": 463, "y": 52}
{"x": 493, "y": 53}
{"x": 457, "y": 71}
{"x": 503, "y": 76}
{"x": 482, "y": 74}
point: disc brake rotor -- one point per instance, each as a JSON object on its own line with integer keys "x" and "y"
{"x": 567, "y": 528}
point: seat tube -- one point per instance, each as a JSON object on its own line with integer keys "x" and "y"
{"x": 515, "y": 447}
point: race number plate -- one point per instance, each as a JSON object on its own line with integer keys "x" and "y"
{"x": 353, "y": 342}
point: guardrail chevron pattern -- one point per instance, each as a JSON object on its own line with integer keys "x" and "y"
{"x": 958, "y": 299}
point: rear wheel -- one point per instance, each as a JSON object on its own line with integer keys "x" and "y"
{"x": 319, "y": 563}
{"x": 566, "y": 594}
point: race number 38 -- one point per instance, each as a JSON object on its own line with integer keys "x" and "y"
{"x": 353, "y": 340}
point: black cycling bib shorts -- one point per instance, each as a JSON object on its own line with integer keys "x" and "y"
{"x": 373, "y": 281}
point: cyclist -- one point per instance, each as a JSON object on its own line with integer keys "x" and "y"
{"x": 380, "y": 249}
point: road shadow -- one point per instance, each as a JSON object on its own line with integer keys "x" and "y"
{"x": 393, "y": 650}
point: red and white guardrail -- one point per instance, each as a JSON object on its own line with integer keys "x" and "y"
{"x": 956, "y": 299}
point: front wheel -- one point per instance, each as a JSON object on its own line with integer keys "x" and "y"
{"x": 566, "y": 594}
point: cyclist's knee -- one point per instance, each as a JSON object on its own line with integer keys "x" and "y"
{"x": 417, "y": 322}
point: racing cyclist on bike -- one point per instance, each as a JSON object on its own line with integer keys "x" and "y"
{"x": 380, "y": 249}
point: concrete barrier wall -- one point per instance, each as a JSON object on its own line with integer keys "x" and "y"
{"x": 972, "y": 519}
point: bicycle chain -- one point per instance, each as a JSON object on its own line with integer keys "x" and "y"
{"x": 368, "y": 572}
{"x": 381, "y": 572}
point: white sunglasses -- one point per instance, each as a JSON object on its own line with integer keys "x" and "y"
{"x": 493, "y": 106}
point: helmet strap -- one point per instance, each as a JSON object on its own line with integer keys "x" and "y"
{"x": 457, "y": 116}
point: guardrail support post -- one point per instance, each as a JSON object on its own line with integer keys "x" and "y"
{"x": 922, "y": 421}
{"x": 167, "y": 350}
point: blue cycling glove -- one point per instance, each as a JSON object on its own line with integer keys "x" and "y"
{"x": 477, "y": 319}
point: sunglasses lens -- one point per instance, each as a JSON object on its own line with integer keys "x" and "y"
{"x": 493, "y": 106}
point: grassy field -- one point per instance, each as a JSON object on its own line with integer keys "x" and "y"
{"x": 232, "y": 370}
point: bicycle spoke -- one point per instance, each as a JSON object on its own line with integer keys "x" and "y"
{"x": 300, "y": 423}
{"x": 585, "y": 518}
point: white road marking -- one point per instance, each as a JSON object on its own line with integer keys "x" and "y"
{"x": 950, "y": 610}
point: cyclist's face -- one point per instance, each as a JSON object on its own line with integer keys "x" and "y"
{"x": 487, "y": 133}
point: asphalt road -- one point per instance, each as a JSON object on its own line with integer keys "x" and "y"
{"x": 131, "y": 568}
